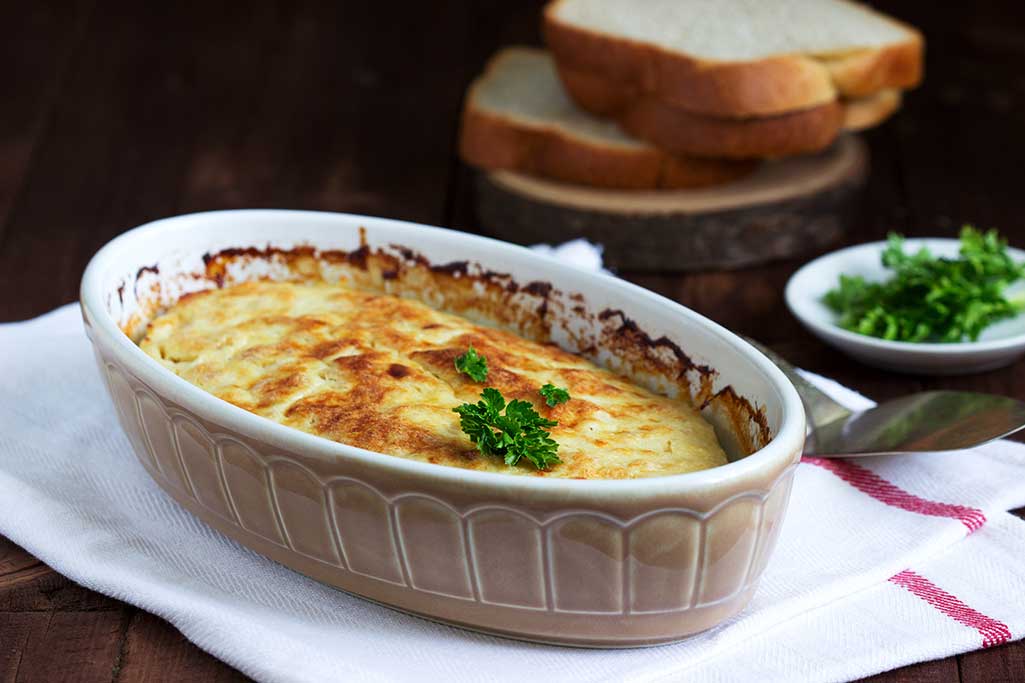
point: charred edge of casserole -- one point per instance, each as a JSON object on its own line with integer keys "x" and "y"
{"x": 147, "y": 269}
{"x": 153, "y": 270}
{"x": 666, "y": 356}
{"x": 742, "y": 415}
{"x": 619, "y": 333}
{"x": 628, "y": 335}
{"x": 391, "y": 265}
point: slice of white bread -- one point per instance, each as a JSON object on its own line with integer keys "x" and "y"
{"x": 680, "y": 131}
{"x": 518, "y": 117}
{"x": 736, "y": 58}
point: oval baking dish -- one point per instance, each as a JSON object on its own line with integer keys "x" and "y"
{"x": 585, "y": 562}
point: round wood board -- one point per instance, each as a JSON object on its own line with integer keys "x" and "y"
{"x": 785, "y": 208}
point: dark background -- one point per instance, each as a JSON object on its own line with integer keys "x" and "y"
{"x": 116, "y": 112}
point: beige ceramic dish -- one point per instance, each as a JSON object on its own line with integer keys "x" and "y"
{"x": 595, "y": 563}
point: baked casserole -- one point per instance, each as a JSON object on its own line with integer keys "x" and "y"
{"x": 378, "y": 372}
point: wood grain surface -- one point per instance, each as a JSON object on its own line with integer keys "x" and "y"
{"x": 116, "y": 112}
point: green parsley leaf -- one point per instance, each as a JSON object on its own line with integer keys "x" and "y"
{"x": 932, "y": 299}
{"x": 553, "y": 395}
{"x": 473, "y": 364}
{"x": 517, "y": 433}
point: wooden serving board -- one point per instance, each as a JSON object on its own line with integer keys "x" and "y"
{"x": 783, "y": 209}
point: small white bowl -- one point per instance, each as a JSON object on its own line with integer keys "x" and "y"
{"x": 998, "y": 345}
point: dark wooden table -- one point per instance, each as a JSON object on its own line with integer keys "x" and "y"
{"x": 116, "y": 112}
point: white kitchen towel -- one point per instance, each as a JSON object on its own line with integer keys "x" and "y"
{"x": 880, "y": 562}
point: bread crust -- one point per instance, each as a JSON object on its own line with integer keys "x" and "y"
{"x": 494, "y": 142}
{"x": 764, "y": 87}
{"x": 683, "y": 132}
{"x": 865, "y": 112}
{"x": 869, "y": 72}
{"x": 680, "y": 131}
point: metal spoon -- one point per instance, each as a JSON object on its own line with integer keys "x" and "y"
{"x": 926, "y": 421}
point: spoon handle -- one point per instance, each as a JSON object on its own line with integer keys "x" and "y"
{"x": 820, "y": 407}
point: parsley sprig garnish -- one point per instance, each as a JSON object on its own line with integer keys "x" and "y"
{"x": 511, "y": 431}
{"x": 553, "y": 395}
{"x": 932, "y": 299}
{"x": 517, "y": 433}
{"x": 473, "y": 364}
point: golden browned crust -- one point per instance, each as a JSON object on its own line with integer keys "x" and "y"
{"x": 493, "y": 142}
{"x": 868, "y": 72}
{"x": 377, "y": 372}
{"x": 802, "y": 132}
{"x": 867, "y": 112}
{"x": 680, "y": 131}
{"x": 765, "y": 87}
{"x": 673, "y": 129}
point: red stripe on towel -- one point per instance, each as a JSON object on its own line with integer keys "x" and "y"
{"x": 993, "y": 632}
{"x": 869, "y": 482}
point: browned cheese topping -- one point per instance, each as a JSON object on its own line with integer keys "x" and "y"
{"x": 377, "y": 372}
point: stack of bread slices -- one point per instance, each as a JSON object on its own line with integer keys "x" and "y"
{"x": 670, "y": 94}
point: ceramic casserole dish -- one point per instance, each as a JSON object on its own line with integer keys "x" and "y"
{"x": 585, "y": 562}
